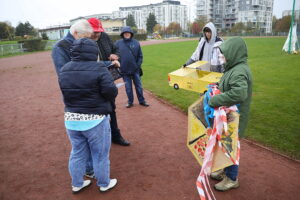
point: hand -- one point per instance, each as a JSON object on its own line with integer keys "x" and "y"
{"x": 116, "y": 63}
{"x": 113, "y": 57}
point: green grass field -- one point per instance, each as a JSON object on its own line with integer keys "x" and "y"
{"x": 8, "y": 42}
{"x": 275, "y": 106}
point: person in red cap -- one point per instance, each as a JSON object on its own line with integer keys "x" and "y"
{"x": 108, "y": 52}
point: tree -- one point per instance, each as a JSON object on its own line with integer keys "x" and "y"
{"x": 174, "y": 28}
{"x": 6, "y": 31}
{"x": 195, "y": 28}
{"x": 45, "y": 36}
{"x": 157, "y": 28}
{"x": 151, "y": 22}
{"x": 283, "y": 24}
{"x": 274, "y": 21}
{"x": 25, "y": 29}
{"x": 130, "y": 21}
{"x": 238, "y": 28}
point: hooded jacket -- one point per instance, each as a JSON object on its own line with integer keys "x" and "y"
{"x": 236, "y": 82}
{"x": 86, "y": 85}
{"x": 131, "y": 56}
{"x": 207, "y": 50}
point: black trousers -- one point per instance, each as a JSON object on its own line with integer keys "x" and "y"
{"x": 115, "y": 131}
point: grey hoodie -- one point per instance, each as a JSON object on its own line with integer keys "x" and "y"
{"x": 208, "y": 48}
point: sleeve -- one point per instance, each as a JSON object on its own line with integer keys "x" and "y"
{"x": 139, "y": 56}
{"x": 114, "y": 48}
{"x": 60, "y": 58}
{"x": 190, "y": 61}
{"x": 108, "y": 88}
{"x": 237, "y": 93}
{"x": 195, "y": 55}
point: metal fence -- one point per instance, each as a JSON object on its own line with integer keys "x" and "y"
{"x": 11, "y": 49}
{"x": 7, "y": 49}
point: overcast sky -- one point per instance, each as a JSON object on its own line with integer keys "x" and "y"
{"x": 43, "y": 13}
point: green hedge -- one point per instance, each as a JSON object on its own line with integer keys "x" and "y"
{"x": 136, "y": 36}
{"x": 33, "y": 44}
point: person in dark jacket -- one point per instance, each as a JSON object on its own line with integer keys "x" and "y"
{"x": 131, "y": 61}
{"x": 108, "y": 52}
{"x": 61, "y": 50}
{"x": 88, "y": 89}
{"x": 236, "y": 88}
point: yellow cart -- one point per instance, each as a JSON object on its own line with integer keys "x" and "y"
{"x": 194, "y": 77}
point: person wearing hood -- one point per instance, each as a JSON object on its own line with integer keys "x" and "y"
{"x": 131, "y": 58}
{"x": 207, "y": 48}
{"x": 236, "y": 89}
{"x": 88, "y": 88}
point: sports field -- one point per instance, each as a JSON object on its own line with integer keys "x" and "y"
{"x": 275, "y": 105}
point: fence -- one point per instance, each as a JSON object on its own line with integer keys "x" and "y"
{"x": 11, "y": 49}
{"x": 7, "y": 49}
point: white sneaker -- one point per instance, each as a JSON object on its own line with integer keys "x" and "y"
{"x": 112, "y": 183}
{"x": 85, "y": 184}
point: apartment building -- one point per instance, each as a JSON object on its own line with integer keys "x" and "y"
{"x": 226, "y": 13}
{"x": 165, "y": 12}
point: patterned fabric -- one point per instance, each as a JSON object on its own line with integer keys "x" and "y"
{"x": 219, "y": 127}
{"x": 82, "y": 122}
{"x": 69, "y": 116}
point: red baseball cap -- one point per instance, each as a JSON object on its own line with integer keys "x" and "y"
{"x": 96, "y": 24}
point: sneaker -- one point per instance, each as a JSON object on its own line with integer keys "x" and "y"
{"x": 129, "y": 105}
{"x": 227, "y": 184}
{"x": 218, "y": 175}
{"x": 121, "y": 141}
{"x": 112, "y": 183}
{"x": 85, "y": 184}
{"x": 90, "y": 175}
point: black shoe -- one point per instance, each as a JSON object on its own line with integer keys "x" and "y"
{"x": 144, "y": 104}
{"x": 121, "y": 141}
{"x": 129, "y": 105}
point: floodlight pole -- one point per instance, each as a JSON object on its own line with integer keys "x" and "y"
{"x": 291, "y": 29}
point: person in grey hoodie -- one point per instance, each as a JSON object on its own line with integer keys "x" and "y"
{"x": 207, "y": 49}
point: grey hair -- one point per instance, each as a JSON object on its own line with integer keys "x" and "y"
{"x": 82, "y": 27}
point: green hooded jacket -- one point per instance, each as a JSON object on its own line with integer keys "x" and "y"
{"x": 236, "y": 82}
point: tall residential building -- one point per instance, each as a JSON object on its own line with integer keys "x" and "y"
{"x": 165, "y": 12}
{"x": 226, "y": 13}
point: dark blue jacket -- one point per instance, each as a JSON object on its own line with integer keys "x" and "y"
{"x": 61, "y": 52}
{"x": 131, "y": 56}
{"x": 87, "y": 86}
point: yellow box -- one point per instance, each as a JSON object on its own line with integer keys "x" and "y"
{"x": 194, "y": 77}
{"x": 198, "y": 136}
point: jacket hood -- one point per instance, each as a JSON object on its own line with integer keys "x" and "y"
{"x": 128, "y": 30}
{"x": 84, "y": 49}
{"x": 212, "y": 27}
{"x": 235, "y": 52}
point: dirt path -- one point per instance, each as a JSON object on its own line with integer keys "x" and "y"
{"x": 34, "y": 148}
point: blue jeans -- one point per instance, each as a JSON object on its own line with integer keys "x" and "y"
{"x": 96, "y": 140}
{"x": 138, "y": 87}
{"x": 232, "y": 172}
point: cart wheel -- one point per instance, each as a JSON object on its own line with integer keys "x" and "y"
{"x": 176, "y": 87}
